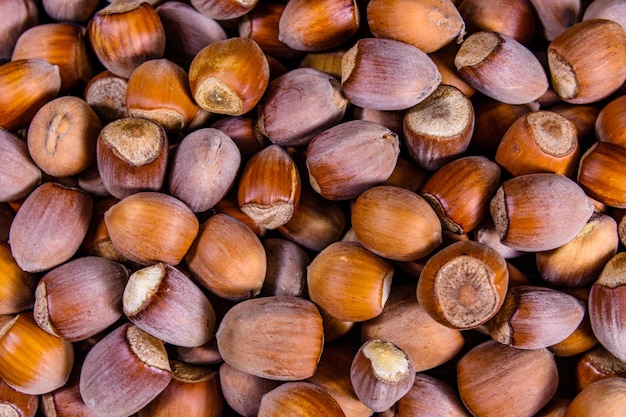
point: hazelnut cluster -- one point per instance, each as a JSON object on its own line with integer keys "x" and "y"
{"x": 333, "y": 208}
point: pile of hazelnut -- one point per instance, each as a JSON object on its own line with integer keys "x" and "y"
{"x": 313, "y": 208}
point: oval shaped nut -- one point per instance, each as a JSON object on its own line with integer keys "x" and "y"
{"x": 395, "y": 223}
{"x": 579, "y": 262}
{"x": 384, "y": 74}
{"x": 164, "y": 302}
{"x": 229, "y": 76}
{"x": 501, "y": 68}
{"x": 123, "y": 372}
{"x": 439, "y": 129}
{"x": 538, "y": 212}
{"x": 610, "y": 124}
{"x": 318, "y": 26}
{"x": 349, "y": 282}
{"x": 463, "y": 285}
{"x": 257, "y": 336}
{"x": 494, "y": 378}
{"x": 535, "y": 317}
{"x": 269, "y": 187}
{"x": 80, "y": 298}
{"x": 607, "y": 296}
{"x": 221, "y": 238}
{"x": 33, "y": 361}
{"x": 460, "y": 192}
{"x": 581, "y": 56}
{"x": 347, "y": 159}
{"x": 60, "y": 43}
{"x": 50, "y": 226}
{"x": 19, "y": 174}
{"x": 62, "y": 136}
{"x": 299, "y": 399}
{"x": 123, "y": 35}
{"x": 28, "y": 84}
{"x": 539, "y": 141}
{"x": 603, "y": 398}
{"x": 300, "y": 104}
{"x": 204, "y": 168}
{"x": 158, "y": 90}
{"x": 601, "y": 173}
{"x": 404, "y": 322}
{"x": 149, "y": 227}
{"x": 427, "y": 25}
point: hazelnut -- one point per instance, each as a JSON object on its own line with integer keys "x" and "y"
{"x": 604, "y": 298}
{"x": 33, "y": 361}
{"x": 229, "y": 76}
{"x": 204, "y": 168}
{"x": 535, "y": 317}
{"x": 28, "y": 85}
{"x": 269, "y": 187}
{"x": 62, "y": 136}
{"x": 50, "y": 226}
{"x": 192, "y": 388}
{"x": 349, "y": 282}
{"x": 494, "y": 378}
{"x": 381, "y": 214}
{"x": 501, "y": 68}
{"x": 149, "y": 227}
{"x": 438, "y": 129}
{"x": 463, "y": 285}
{"x": 348, "y": 158}
{"x": 125, "y": 34}
{"x": 124, "y": 371}
{"x": 224, "y": 237}
{"x": 386, "y": 74}
{"x": 575, "y": 56}
{"x": 80, "y": 298}
{"x": 538, "y": 212}
{"x": 325, "y": 24}
{"x": 427, "y": 25}
{"x": 257, "y": 336}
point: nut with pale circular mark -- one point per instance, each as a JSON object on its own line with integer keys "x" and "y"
{"x": 229, "y": 76}
{"x": 132, "y": 156}
{"x": 439, "y": 129}
{"x": 539, "y": 141}
{"x": 463, "y": 285}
